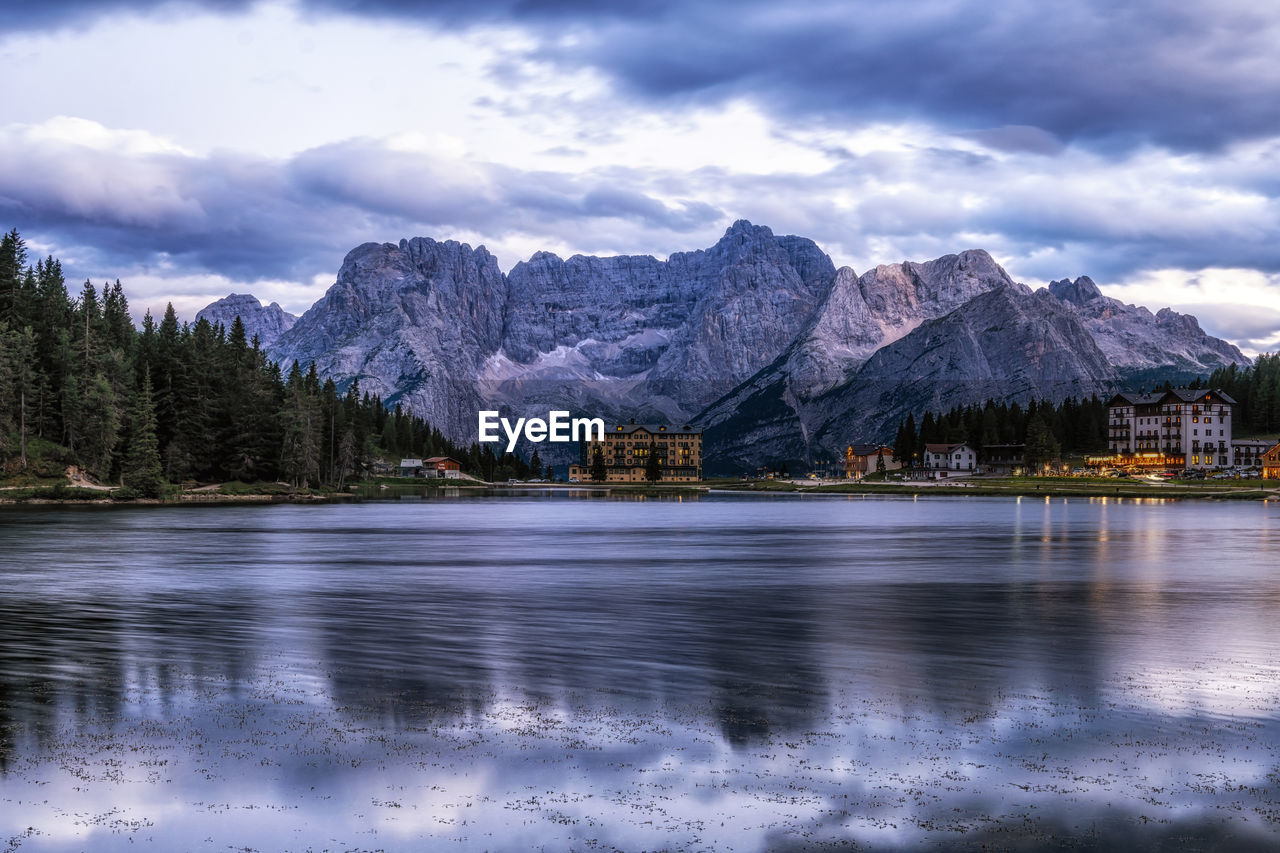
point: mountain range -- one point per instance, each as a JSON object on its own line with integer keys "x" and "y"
{"x": 758, "y": 339}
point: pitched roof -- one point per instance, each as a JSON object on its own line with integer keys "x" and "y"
{"x": 1184, "y": 395}
{"x": 1191, "y": 395}
{"x": 654, "y": 429}
{"x": 443, "y": 459}
{"x": 410, "y": 463}
{"x": 945, "y": 448}
{"x": 868, "y": 449}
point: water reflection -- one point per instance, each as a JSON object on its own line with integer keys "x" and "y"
{"x": 515, "y": 672}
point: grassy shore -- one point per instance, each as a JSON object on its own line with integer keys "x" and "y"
{"x": 48, "y": 490}
{"x": 1028, "y": 486}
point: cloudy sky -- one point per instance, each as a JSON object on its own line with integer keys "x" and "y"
{"x": 195, "y": 149}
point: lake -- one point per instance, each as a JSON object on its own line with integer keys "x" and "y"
{"x": 724, "y": 672}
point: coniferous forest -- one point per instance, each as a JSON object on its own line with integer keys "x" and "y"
{"x": 1080, "y": 425}
{"x": 1046, "y": 428}
{"x": 177, "y": 402}
{"x": 1256, "y": 391}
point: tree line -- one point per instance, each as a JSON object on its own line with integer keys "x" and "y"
{"x": 174, "y": 402}
{"x": 1079, "y": 425}
{"x": 1076, "y": 425}
{"x": 1256, "y": 390}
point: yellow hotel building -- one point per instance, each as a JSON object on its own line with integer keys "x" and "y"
{"x": 626, "y": 449}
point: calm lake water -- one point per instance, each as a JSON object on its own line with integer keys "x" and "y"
{"x": 728, "y": 673}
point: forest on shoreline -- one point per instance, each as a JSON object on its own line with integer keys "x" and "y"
{"x": 175, "y": 402}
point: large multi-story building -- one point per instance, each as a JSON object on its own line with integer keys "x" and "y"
{"x": 626, "y": 449}
{"x": 1179, "y": 428}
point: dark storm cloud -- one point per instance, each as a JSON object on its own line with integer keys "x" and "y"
{"x": 1022, "y": 74}
{"x": 57, "y": 14}
{"x": 248, "y": 218}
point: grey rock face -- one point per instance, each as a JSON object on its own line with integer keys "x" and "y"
{"x": 753, "y": 300}
{"x": 1004, "y": 343}
{"x": 268, "y": 322}
{"x": 412, "y": 323}
{"x": 436, "y": 325}
{"x": 1137, "y": 341}
{"x": 1007, "y": 344}
{"x": 860, "y": 315}
{"x": 759, "y": 339}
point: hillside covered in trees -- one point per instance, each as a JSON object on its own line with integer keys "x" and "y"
{"x": 174, "y": 402}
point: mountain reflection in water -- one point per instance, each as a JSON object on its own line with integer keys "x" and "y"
{"x": 511, "y": 672}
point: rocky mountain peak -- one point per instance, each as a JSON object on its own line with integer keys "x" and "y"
{"x": 759, "y": 337}
{"x": 903, "y": 294}
{"x": 1077, "y": 292}
{"x": 268, "y": 322}
{"x": 743, "y": 231}
{"x": 1186, "y": 324}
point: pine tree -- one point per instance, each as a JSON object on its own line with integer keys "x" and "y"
{"x": 300, "y": 456}
{"x": 22, "y": 349}
{"x": 1041, "y": 446}
{"x": 13, "y": 261}
{"x": 599, "y": 472}
{"x": 346, "y": 455}
{"x": 904, "y": 449}
{"x": 100, "y": 420}
{"x": 652, "y": 465}
{"x": 142, "y": 469}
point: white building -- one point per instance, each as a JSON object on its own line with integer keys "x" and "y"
{"x": 1248, "y": 452}
{"x": 1183, "y": 428}
{"x": 950, "y": 457}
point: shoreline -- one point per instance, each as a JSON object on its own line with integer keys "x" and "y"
{"x": 1055, "y": 488}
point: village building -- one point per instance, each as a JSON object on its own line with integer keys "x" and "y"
{"x": 942, "y": 459}
{"x": 409, "y": 468}
{"x": 1271, "y": 463}
{"x": 1004, "y": 459}
{"x": 1179, "y": 428}
{"x": 863, "y": 459}
{"x": 626, "y": 449}
{"x": 1248, "y": 452}
{"x": 442, "y": 467}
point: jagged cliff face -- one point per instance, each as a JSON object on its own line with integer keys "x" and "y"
{"x": 861, "y": 315}
{"x": 436, "y": 326}
{"x": 759, "y": 339}
{"x": 413, "y": 323}
{"x": 267, "y": 322}
{"x": 927, "y": 337}
{"x": 1007, "y": 343}
{"x": 1135, "y": 340}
